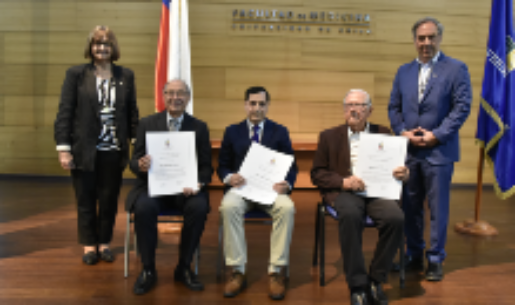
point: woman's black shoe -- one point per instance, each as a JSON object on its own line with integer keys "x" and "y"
{"x": 107, "y": 256}
{"x": 90, "y": 258}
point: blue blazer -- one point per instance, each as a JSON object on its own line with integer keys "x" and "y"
{"x": 236, "y": 143}
{"x": 444, "y": 107}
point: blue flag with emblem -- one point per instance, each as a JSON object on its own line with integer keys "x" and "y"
{"x": 496, "y": 119}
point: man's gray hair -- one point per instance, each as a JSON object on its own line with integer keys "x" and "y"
{"x": 439, "y": 26}
{"x": 368, "y": 100}
{"x": 179, "y": 80}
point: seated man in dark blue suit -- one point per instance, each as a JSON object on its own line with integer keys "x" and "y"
{"x": 236, "y": 142}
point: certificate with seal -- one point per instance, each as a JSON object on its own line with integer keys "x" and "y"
{"x": 378, "y": 156}
{"x": 261, "y": 169}
{"x": 173, "y": 164}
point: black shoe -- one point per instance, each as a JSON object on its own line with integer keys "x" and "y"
{"x": 107, "y": 256}
{"x": 188, "y": 278}
{"x": 411, "y": 263}
{"x": 146, "y": 281}
{"x": 434, "y": 272}
{"x": 90, "y": 258}
{"x": 377, "y": 295}
{"x": 359, "y": 298}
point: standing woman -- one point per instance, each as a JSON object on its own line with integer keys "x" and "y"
{"x": 96, "y": 120}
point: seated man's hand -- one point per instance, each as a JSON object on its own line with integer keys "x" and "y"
{"x": 401, "y": 173}
{"x": 144, "y": 163}
{"x": 281, "y": 187}
{"x": 236, "y": 180}
{"x": 188, "y": 191}
{"x": 354, "y": 184}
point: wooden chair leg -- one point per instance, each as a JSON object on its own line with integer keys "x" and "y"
{"x": 317, "y": 233}
{"x": 322, "y": 245}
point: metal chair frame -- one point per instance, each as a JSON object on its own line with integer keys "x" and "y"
{"x": 324, "y": 209}
{"x": 130, "y": 220}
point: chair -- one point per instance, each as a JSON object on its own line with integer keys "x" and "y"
{"x": 324, "y": 209}
{"x": 253, "y": 216}
{"x": 130, "y": 219}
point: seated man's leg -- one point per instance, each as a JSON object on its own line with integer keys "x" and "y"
{"x": 351, "y": 212}
{"x": 195, "y": 209}
{"x": 389, "y": 220}
{"x": 283, "y": 215}
{"x": 145, "y": 211}
{"x": 232, "y": 211}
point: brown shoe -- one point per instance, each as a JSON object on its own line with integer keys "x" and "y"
{"x": 236, "y": 284}
{"x": 277, "y": 286}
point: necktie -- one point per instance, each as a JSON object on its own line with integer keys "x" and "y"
{"x": 173, "y": 126}
{"x": 255, "y": 135}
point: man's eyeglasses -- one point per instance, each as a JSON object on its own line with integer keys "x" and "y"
{"x": 355, "y": 105}
{"x": 180, "y": 93}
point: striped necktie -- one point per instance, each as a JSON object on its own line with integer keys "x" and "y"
{"x": 255, "y": 135}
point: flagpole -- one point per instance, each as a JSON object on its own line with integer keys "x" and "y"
{"x": 475, "y": 226}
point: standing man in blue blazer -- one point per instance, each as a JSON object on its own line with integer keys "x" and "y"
{"x": 236, "y": 142}
{"x": 429, "y": 102}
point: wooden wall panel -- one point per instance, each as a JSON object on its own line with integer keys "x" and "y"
{"x": 306, "y": 72}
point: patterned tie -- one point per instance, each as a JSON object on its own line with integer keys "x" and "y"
{"x": 255, "y": 135}
{"x": 174, "y": 125}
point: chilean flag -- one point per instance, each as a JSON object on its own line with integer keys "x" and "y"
{"x": 173, "y": 49}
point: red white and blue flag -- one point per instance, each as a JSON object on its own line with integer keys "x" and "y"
{"x": 173, "y": 49}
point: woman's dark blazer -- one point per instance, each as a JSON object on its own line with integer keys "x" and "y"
{"x": 78, "y": 119}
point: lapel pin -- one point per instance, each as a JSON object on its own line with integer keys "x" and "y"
{"x": 121, "y": 83}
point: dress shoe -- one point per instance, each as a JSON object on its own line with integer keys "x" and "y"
{"x": 107, "y": 256}
{"x": 277, "y": 286}
{"x": 377, "y": 296}
{"x": 434, "y": 272}
{"x": 236, "y": 284}
{"x": 90, "y": 258}
{"x": 359, "y": 298}
{"x": 411, "y": 263}
{"x": 146, "y": 281}
{"x": 188, "y": 278}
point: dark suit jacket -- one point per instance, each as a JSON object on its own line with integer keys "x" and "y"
{"x": 157, "y": 122}
{"x": 78, "y": 120}
{"x": 331, "y": 163}
{"x": 443, "y": 109}
{"x": 236, "y": 143}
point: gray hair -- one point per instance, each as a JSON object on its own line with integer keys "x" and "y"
{"x": 179, "y": 80}
{"x": 368, "y": 100}
{"x": 439, "y": 26}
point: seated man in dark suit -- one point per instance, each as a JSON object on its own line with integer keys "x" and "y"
{"x": 193, "y": 204}
{"x": 332, "y": 172}
{"x": 236, "y": 142}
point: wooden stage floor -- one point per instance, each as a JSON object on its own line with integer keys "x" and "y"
{"x": 40, "y": 260}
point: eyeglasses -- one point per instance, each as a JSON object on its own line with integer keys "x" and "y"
{"x": 180, "y": 93}
{"x": 102, "y": 43}
{"x": 254, "y": 103}
{"x": 355, "y": 105}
